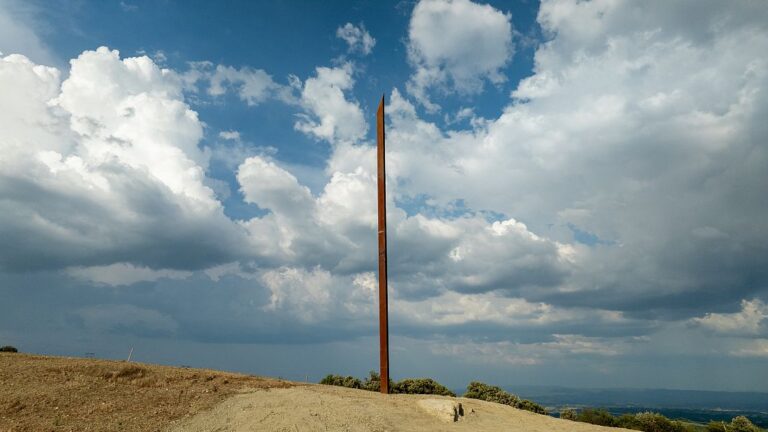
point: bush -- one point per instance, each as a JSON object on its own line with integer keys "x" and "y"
{"x": 717, "y": 426}
{"x": 373, "y": 382}
{"x": 342, "y": 381}
{"x": 568, "y": 414}
{"x": 655, "y": 422}
{"x": 531, "y": 406}
{"x": 8, "y": 348}
{"x": 599, "y": 417}
{"x": 482, "y": 391}
{"x": 645, "y": 421}
{"x": 421, "y": 386}
{"x": 742, "y": 424}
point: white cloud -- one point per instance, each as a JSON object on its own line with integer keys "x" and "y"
{"x": 638, "y": 131}
{"x": 329, "y": 115}
{"x": 104, "y": 168}
{"x": 456, "y": 45}
{"x": 755, "y": 348}
{"x": 230, "y": 135}
{"x": 747, "y": 321}
{"x": 19, "y": 33}
{"x": 529, "y": 354}
{"x": 357, "y": 38}
{"x": 254, "y": 86}
{"x": 124, "y": 274}
{"x": 303, "y": 294}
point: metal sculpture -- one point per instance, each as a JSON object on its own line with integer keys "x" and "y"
{"x": 383, "y": 300}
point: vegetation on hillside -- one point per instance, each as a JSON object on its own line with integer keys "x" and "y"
{"x": 654, "y": 422}
{"x": 475, "y": 390}
{"x": 406, "y": 386}
{"x": 482, "y": 391}
{"x": 8, "y": 348}
{"x": 737, "y": 424}
{"x": 643, "y": 421}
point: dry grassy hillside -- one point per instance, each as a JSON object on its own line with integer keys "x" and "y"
{"x": 40, "y": 393}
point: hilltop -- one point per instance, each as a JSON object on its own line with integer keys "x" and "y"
{"x": 75, "y": 394}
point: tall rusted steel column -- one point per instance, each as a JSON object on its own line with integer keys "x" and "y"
{"x": 383, "y": 300}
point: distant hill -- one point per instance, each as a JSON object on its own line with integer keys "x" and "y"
{"x": 662, "y": 398}
{"x": 694, "y": 405}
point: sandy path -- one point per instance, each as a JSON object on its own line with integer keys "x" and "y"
{"x": 325, "y": 408}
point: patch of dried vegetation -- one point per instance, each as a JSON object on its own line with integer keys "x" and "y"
{"x": 40, "y": 393}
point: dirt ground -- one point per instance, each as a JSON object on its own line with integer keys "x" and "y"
{"x": 325, "y": 408}
{"x": 40, "y": 393}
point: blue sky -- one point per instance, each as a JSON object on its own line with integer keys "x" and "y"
{"x": 576, "y": 188}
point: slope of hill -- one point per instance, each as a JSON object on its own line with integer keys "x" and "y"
{"x": 41, "y": 393}
{"x": 71, "y": 394}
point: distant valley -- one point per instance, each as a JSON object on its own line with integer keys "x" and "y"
{"x": 695, "y": 405}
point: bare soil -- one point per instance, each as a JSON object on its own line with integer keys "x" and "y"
{"x": 326, "y": 408}
{"x": 41, "y": 393}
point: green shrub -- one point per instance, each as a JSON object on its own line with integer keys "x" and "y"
{"x": 655, "y": 422}
{"x": 342, "y": 381}
{"x": 421, "y": 386}
{"x": 717, "y": 426}
{"x": 742, "y": 424}
{"x": 594, "y": 416}
{"x": 568, "y": 414}
{"x": 373, "y": 382}
{"x": 8, "y": 348}
{"x": 531, "y": 406}
{"x": 482, "y": 391}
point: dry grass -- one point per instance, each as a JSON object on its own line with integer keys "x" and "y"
{"x": 40, "y": 393}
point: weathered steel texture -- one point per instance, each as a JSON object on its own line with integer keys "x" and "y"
{"x": 383, "y": 300}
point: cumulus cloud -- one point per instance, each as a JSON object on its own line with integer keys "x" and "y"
{"x": 357, "y": 38}
{"x": 104, "y": 168}
{"x": 644, "y": 133}
{"x": 253, "y": 86}
{"x": 329, "y": 115}
{"x": 747, "y": 321}
{"x": 455, "y": 45}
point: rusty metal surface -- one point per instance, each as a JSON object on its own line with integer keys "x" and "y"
{"x": 383, "y": 300}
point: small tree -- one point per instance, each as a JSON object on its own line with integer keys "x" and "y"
{"x": 8, "y": 348}
{"x": 568, "y": 414}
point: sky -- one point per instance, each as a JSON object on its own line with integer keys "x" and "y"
{"x": 577, "y": 190}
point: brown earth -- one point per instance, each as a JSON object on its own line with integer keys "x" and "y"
{"x": 39, "y": 393}
{"x": 326, "y": 408}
